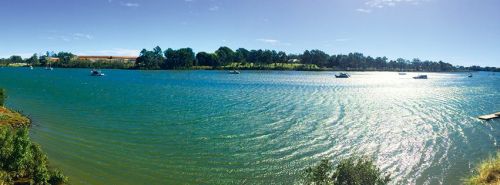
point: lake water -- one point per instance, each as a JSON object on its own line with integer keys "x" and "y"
{"x": 259, "y": 127}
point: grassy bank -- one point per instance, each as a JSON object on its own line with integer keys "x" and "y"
{"x": 486, "y": 173}
{"x": 12, "y": 118}
{"x": 21, "y": 160}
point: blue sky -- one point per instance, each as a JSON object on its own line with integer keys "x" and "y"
{"x": 462, "y": 32}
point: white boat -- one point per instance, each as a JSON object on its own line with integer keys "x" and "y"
{"x": 48, "y": 67}
{"x": 95, "y": 72}
{"x": 420, "y": 77}
{"x": 342, "y": 75}
{"x": 470, "y": 75}
{"x": 31, "y": 67}
{"x": 234, "y": 72}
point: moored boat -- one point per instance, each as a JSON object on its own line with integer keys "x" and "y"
{"x": 95, "y": 72}
{"x": 420, "y": 77}
{"x": 342, "y": 75}
{"x": 234, "y": 72}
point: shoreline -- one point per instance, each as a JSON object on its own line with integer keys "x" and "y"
{"x": 260, "y": 69}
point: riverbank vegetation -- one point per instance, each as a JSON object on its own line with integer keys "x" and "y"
{"x": 486, "y": 173}
{"x": 353, "y": 170}
{"x": 21, "y": 160}
{"x": 241, "y": 58}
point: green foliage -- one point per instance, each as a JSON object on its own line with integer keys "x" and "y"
{"x": 184, "y": 58}
{"x": 22, "y": 160}
{"x": 320, "y": 174}
{"x": 350, "y": 171}
{"x": 206, "y": 59}
{"x": 33, "y": 60}
{"x": 65, "y": 57}
{"x": 179, "y": 59}
{"x": 3, "y": 96}
{"x": 486, "y": 173}
{"x": 150, "y": 59}
{"x": 225, "y": 56}
{"x": 57, "y": 177}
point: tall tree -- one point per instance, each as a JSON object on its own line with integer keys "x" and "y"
{"x": 206, "y": 59}
{"x": 181, "y": 58}
{"x": 225, "y": 55}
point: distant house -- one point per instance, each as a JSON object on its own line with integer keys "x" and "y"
{"x": 108, "y": 58}
{"x": 53, "y": 59}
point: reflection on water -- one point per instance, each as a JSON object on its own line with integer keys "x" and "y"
{"x": 176, "y": 127}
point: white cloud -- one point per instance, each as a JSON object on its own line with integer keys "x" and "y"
{"x": 273, "y": 42}
{"x": 129, "y": 4}
{"x": 342, "y": 39}
{"x": 70, "y": 37}
{"x": 362, "y": 10}
{"x": 371, "y": 4}
{"x": 113, "y": 52}
{"x": 78, "y": 36}
{"x": 270, "y": 41}
{"x": 214, "y": 8}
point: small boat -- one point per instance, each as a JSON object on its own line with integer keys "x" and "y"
{"x": 470, "y": 75}
{"x": 234, "y": 72}
{"x": 402, "y": 73}
{"x": 96, "y": 73}
{"x": 48, "y": 67}
{"x": 342, "y": 75}
{"x": 31, "y": 67}
{"x": 420, "y": 77}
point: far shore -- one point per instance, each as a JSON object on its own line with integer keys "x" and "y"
{"x": 225, "y": 68}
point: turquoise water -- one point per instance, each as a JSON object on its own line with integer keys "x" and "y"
{"x": 259, "y": 127}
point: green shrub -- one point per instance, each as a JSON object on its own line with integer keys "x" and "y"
{"x": 3, "y": 96}
{"x": 350, "y": 171}
{"x": 486, "y": 173}
{"x": 24, "y": 161}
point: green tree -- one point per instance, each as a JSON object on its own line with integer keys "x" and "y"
{"x": 181, "y": 58}
{"x": 65, "y": 58}
{"x": 3, "y": 96}
{"x": 16, "y": 59}
{"x": 150, "y": 59}
{"x": 350, "y": 171}
{"x": 22, "y": 160}
{"x": 241, "y": 55}
{"x": 206, "y": 59}
{"x": 224, "y": 55}
{"x": 33, "y": 60}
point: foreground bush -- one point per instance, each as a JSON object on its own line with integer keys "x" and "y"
{"x": 350, "y": 171}
{"x": 23, "y": 162}
{"x": 487, "y": 173}
{"x": 2, "y": 97}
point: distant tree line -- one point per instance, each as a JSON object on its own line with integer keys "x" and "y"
{"x": 224, "y": 57}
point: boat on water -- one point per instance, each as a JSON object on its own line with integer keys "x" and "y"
{"x": 95, "y": 72}
{"x": 470, "y": 75}
{"x": 48, "y": 67}
{"x": 420, "y": 77}
{"x": 342, "y": 75}
{"x": 234, "y": 72}
{"x": 402, "y": 73}
{"x": 31, "y": 67}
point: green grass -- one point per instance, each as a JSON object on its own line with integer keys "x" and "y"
{"x": 12, "y": 118}
{"x": 486, "y": 173}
